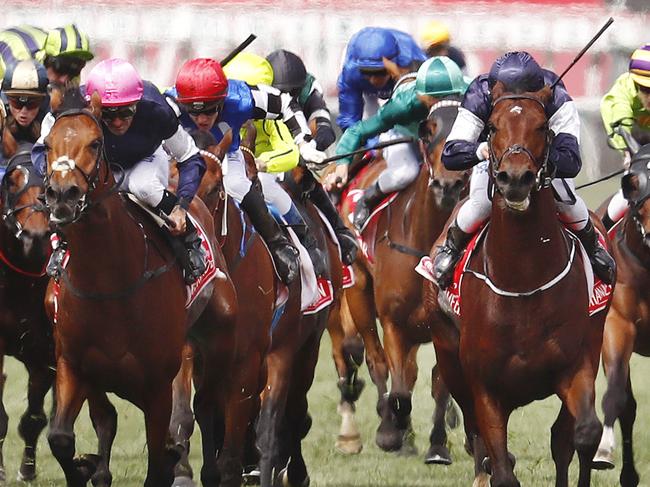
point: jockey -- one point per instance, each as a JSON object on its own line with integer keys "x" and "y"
{"x": 627, "y": 104}
{"x": 435, "y": 41}
{"x": 466, "y": 146}
{"x": 437, "y": 78}
{"x": 20, "y": 43}
{"x": 290, "y": 75}
{"x": 25, "y": 87}
{"x": 364, "y": 78}
{"x": 140, "y": 129}
{"x": 210, "y": 101}
{"x": 65, "y": 53}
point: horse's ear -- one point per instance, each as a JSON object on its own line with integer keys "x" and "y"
{"x": 56, "y": 97}
{"x": 95, "y": 105}
{"x": 545, "y": 94}
{"x": 393, "y": 69}
{"x": 498, "y": 90}
{"x": 9, "y": 143}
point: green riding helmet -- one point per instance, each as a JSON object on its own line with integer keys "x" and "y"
{"x": 440, "y": 76}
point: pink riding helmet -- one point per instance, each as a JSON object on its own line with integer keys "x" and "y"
{"x": 117, "y": 82}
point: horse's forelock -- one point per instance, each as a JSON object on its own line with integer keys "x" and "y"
{"x": 73, "y": 99}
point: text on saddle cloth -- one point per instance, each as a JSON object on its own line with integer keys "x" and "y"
{"x": 599, "y": 292}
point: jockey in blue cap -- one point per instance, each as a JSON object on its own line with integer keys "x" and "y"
{"x": 467, "y": 147}
{"x": 364, "y": 78}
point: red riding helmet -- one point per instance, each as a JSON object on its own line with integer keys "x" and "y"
{"x": 201, "y": 80}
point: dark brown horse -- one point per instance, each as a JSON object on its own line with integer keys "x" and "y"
{"x": 627, "y": 327}
{"x": 119, "y": 306}
{"x": 391, "y": 290}
{"x": 25, "y": 331}
{"x": 522, "y": 335}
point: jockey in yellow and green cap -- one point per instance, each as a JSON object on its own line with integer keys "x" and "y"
{"x": 65, "y": 53}
{"x": 18, "y": 44}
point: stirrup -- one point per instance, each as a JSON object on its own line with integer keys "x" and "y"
{"x": 54, "y": 266}
{"x": 444, "y": 264}
{"x": 360, "y": 215}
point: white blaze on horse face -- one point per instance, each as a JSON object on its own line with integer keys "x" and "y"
{"x": 516, "y": 109}
{"x": 69, "y": 135}
{"x": 63, "y": 165}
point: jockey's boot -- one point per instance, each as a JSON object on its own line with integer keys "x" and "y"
{"x": 449, "y": 254}
{"x": 195, "y": 265}
{"x": 306, "y": 236}
{"x": 346, "y": 239}
{"x": 372, "y": 196}
{"x": 284, "y": 254}
{"x": 603, "y": 264}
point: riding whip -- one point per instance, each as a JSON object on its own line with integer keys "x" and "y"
{"x": 584, "y": 49}
{"x": 381, "y": 145}
{"x": 238, "y": 49}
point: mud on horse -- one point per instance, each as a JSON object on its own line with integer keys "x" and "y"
{"x": 391, "y": 290}
{"x": 25, "y": 331}
{"x": 627, "y": 326}
{"x": 120, "y": 320}
{"x": 522, "y": 336}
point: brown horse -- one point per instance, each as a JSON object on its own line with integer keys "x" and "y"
{"x": 522, "y": 335}
{"x": 251, "y": 268}
{"x": 25, "y": 331}
{"x": 120, "y": 319}
{"x": 391, "y": 290}
{"x": 627, "y": 327}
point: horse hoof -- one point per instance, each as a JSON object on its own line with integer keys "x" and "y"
{"x": 21, "y": 477}
{"x": 349, "y": 445}
{"x": 87, "y": 464}
{"x": 437, "y": 455}
{"x": 481, "y": 480}
{"x": 251, "y": 475}
{"x": 183, "y": 482}
{"x": 487, "y": 464}
{"x": 603, "y": 460}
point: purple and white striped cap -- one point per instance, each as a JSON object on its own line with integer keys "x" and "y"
{"x": 640, "y": 66}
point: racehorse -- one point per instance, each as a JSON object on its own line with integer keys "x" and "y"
{"x": 120, "y": 320}
{"x": 253, "y": 275}
{"x": 627, "y": 327}
{"x": 523, "y": 335}
{"x": 25, "y": 331}
{"x": 392, "y": 291}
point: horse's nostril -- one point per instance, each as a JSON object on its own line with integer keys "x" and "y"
{"x": 458, "y": 185}
{"x": 50, "y": 196}
{"x": 73, "y": 193}
{"x": 502, "y": 177}
{"x": 528, "y": 178}
{"x": 437, "y": 184}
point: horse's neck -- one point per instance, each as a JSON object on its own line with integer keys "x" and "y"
{"x": 531, "y": 242}
{"x": 634, "y": 242}
{"x": 425, "y": 219}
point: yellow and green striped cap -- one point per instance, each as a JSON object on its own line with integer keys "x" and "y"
{"x": 67, "y": 41}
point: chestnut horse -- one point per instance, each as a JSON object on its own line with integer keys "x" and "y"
{"x": 25, "y": 331}
{"x": 522, "y": 335}
{"x": 120, "y": 320}
{"x": 391, "y": 289}
{"x": 627, "y": 327}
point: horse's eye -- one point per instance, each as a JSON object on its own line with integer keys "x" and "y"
{"x": 95, "y": 145}
{"x": 491, "y": 128}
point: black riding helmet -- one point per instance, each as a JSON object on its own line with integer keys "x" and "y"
{"x": 289, "y": 72}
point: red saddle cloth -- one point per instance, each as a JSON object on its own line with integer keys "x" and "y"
{"x": 599, "y": 292}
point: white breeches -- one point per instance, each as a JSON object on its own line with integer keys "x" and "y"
{"x": 617, "y": 206}
{"x": 148, "y": 179}
{"x": 476, "y": 210}
{"x": 237, "y": 183}
{"x": 402, "y": 164}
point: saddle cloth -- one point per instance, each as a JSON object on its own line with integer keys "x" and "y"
{"x": 599, "y": 292}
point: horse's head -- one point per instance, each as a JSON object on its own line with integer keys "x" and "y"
{"x": 636, "y": 189}
{"x": 446, "y": 185}
{"x": 519, "y": 141}
{"x": 22, "y": 211}
{"x": 74, "y": 155}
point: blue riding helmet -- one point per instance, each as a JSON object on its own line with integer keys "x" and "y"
{"x": 518, "y": 72}
{"x": 371, "y": 45}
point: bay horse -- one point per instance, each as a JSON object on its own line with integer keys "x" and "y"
{"x": 25, "y": 331}
{"x": 522, "y": 335}
{"x": 627, "y": 326}
{"x": 391, "y": 290}
{"x": 118, "y": 309}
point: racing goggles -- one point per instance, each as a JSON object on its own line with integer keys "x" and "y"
{"x": 123, "y": 113}
{"x": 203, "y": 108}
{"x": 643, "y": 89}
{"x": 369, "y": 72}
{"x": 71, "y": 66}
{"x": 20, "y": 102}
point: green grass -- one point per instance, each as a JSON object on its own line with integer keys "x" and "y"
{"x": 528, "y": 438}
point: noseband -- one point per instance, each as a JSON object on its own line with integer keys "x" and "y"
{"x": 543, "y": 177}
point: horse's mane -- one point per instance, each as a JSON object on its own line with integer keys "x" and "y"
{"x": 203, "y": 139}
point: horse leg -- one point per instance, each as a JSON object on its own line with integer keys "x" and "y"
{"x": 104, "y": 419}
{"x": 347, "y": 350}
{"x": 402, "y": 360}
{"x": 181, "y": 425}
{"x": 493, "y": 423}
{"x": 629, "y": 476}
{"x": 619, "y": 336}
{"x": 438, "y": 453}
{"x": 562, "y": 447}
{"x": 4, "y": 419}
{"x": 578, "y": 394}
{"x": 70, "y": 396}
{"x": 34, "y": 420}
{"x": 161, "y": 459}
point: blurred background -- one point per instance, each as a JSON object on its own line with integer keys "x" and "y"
{"x": 157, "y": 36}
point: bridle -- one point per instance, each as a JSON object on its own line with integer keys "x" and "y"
{"x": 543, "y": 177}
